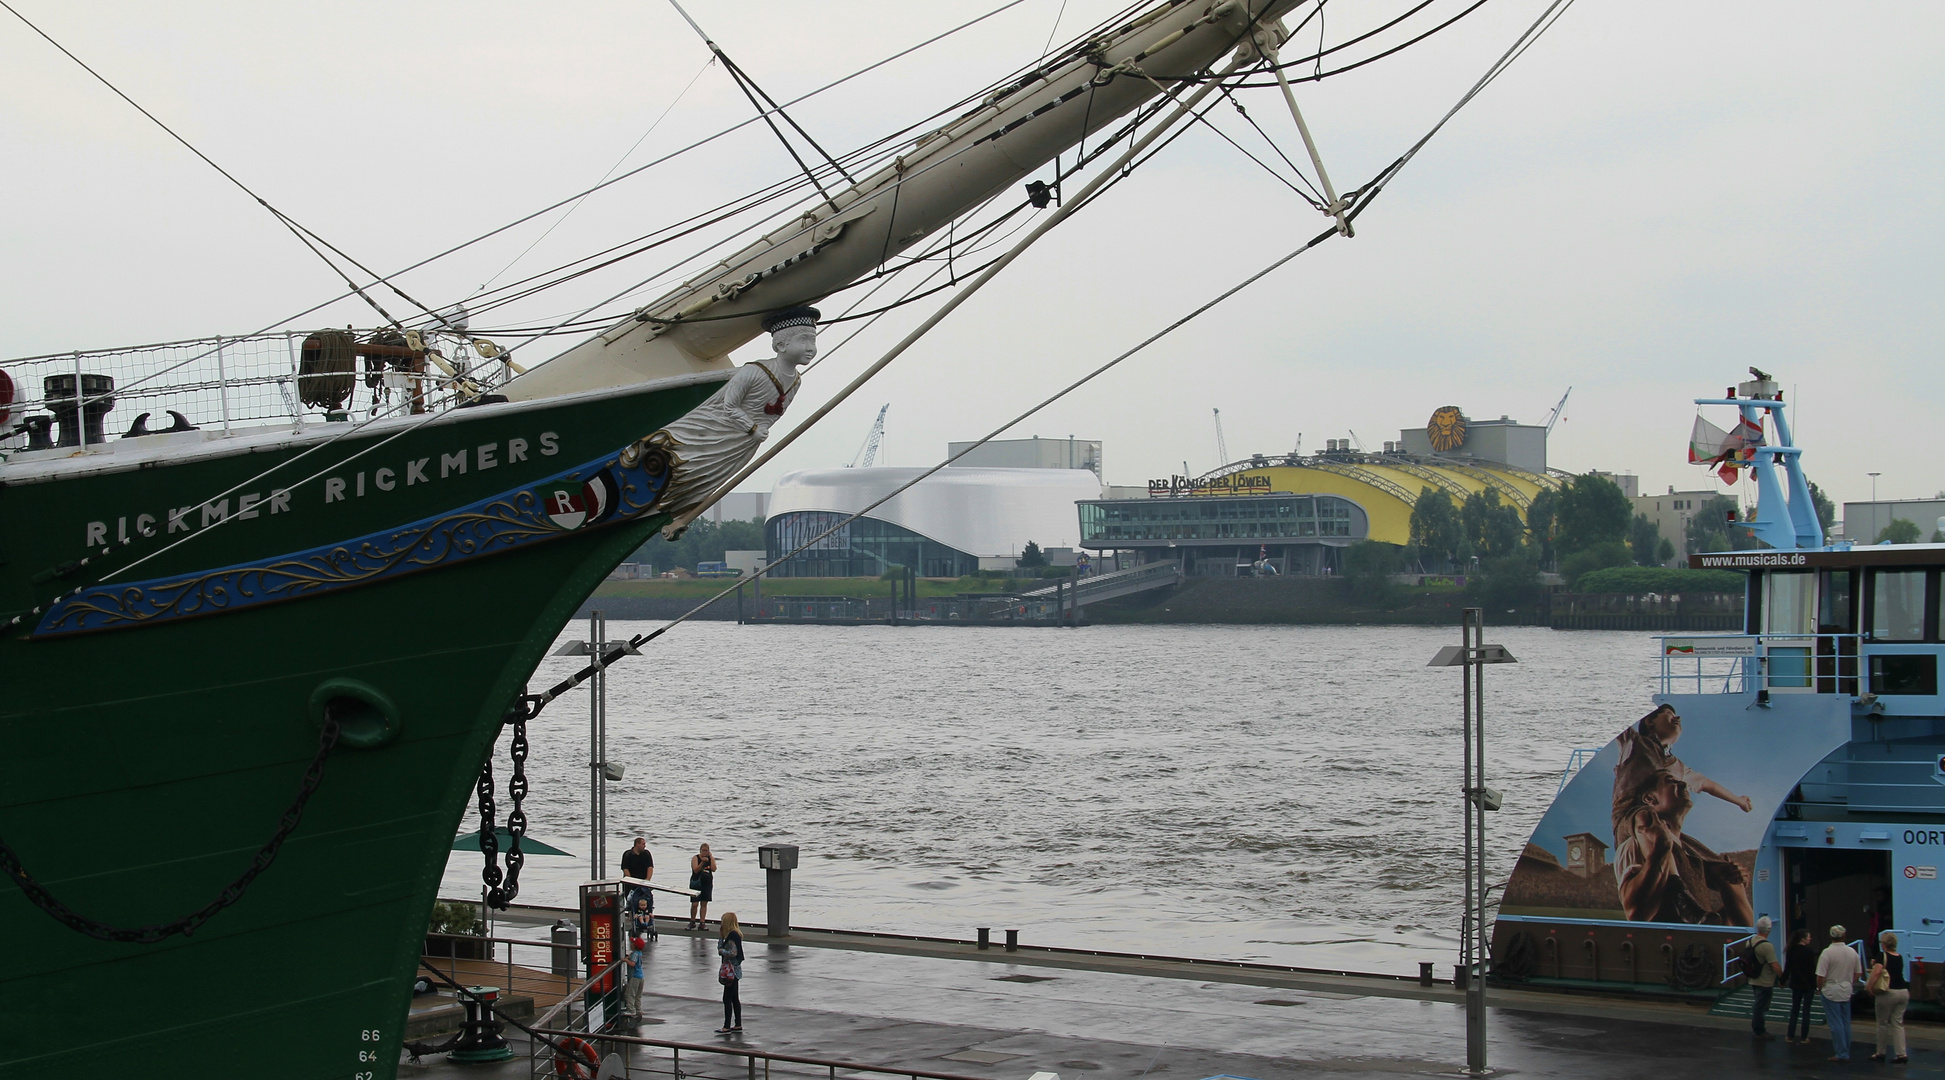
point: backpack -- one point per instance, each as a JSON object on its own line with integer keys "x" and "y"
{"x": 1749, "y": 964}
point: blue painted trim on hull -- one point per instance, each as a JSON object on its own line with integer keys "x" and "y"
{"x": 609, "y": 489}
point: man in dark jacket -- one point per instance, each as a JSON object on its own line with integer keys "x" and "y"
{"x": 638, "y": 864}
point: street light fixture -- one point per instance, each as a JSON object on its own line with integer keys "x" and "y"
{"x": 1874, "y": 526}
{"x": 1470, "y": 656}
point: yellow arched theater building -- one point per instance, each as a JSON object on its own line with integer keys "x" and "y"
{"x": 1299, "y": 512}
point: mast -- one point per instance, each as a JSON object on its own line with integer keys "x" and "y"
{"x": 1785, "y": 522}
{"x": 1008, "y": 136}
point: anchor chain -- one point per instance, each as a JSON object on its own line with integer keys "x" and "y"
{"x": 523, "y": 710}
{"x": 149, "y": 935}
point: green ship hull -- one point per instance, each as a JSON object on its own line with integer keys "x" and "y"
{"x": 147, "y": 762}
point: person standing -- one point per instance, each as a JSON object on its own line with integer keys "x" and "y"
{"x": 636, "y": 955}
{"x": 1800, "y": 968}
{"x": 1837, "y": 971}
{"x": 1764, "y": 981}
{"x": 730, "y": 974}
{"x": 1893, "y": 994}
{"x": 702, "y": 884}
{"x": 639, "y": 864}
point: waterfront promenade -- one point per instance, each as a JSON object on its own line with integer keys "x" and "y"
{"x": 1007, "y": 1016}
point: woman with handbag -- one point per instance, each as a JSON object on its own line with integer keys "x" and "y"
{"x": 1891, "y": 994}
{"x": 702, "y": 886}
{"x": 730, "y": 974}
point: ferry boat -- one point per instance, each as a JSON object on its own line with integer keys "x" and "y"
{"x": 1794, "y": 770}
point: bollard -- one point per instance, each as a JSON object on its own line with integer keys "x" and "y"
{"x": 985, "y": 937}
{"x": 566, "y": 946}
{"x": 1424, "y": 973}
{"x": 1012, "y": 941}
{"x": 777, "y": 861}
{"x": 480, "y": 1040}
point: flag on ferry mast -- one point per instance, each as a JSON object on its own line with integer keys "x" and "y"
{"x": 1710, "y": 445}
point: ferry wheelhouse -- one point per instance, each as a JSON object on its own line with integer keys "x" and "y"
{"x": 1795, "y": 770}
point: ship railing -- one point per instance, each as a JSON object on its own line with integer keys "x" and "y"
{"x": 586, "y": 1014}
{"x": 470, "y": 959}
{"x": 1759, "y": 663}
{"x": 217, "y": 383}
{"x": 1575, "y": 761}
{"x": 702, "y": 1061}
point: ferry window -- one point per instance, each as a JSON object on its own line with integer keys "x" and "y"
{"x": 1836, "y": 611}
{"x": 1904, "y": 674}
{"x": 1898, "y": 605}
{"x": 1789, "y": 602}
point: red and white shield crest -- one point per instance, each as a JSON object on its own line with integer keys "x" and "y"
{"x": 572, "y": 507}
{"x": 565, "y": 507}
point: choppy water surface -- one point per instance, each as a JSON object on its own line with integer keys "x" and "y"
{"x": 1284, "y": 794}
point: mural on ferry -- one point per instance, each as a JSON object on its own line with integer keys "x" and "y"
{"x": 1664, "y": 823}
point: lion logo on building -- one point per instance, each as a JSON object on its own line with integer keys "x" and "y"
{"x": 1447, "y": 428}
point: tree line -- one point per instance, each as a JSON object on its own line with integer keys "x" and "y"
{"x": 703, "y": 541}
{"x": 1588, "y": 524}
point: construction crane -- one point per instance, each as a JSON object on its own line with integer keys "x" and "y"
{"x": 869, "y": 451}
{"x": 1558, "y": 409}
{"x": 1222, "y": 445}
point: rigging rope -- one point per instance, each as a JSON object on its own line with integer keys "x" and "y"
{"x": 693, "y": 79}
{"x": 1360, "y": 200}
{"x": 128, "y": 542}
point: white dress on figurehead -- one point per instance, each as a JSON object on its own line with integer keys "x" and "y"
{"x": 715, "y": 439}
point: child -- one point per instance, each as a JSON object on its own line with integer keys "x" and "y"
{"x": 633, "y": 995}
{"x": 644, "y": 919}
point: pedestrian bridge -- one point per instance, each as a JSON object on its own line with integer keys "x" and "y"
{"x": 1094, "y": 588}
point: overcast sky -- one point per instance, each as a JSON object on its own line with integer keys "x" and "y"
{"x": 1655, "y": 197}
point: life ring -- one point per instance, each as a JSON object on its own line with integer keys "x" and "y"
{"x": 569, "y": 1054}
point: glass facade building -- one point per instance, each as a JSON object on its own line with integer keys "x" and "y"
{"x": 866, "y": 547}
{"x": 1220, "y": 534}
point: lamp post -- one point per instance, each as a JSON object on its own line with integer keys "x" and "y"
{"x": 601, "y": 771}
{"x": 1470, "y": 656}
{"x": 1874, "y": 525}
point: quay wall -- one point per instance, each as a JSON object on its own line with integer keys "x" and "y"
{"x": 1301, "y": 601}
{"x": 1290, "y": 600}
{"x": 657, "y": 607}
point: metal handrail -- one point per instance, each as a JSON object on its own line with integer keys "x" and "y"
{"x": 512, "y": 982}
{"x": 1741, "y": 674}
{"x": 1575, "y": 763}
{"x": 1027, "y": 952}
{"x": 611, "y": 971}
{"x": 759, "y": 1055}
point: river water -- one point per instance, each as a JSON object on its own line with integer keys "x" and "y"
{"x": 1278, "y": 794}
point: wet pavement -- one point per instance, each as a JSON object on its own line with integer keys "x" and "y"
{"x": 1007, "y": 1021}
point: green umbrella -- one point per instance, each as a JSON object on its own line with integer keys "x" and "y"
{"x": 528, "y": 845}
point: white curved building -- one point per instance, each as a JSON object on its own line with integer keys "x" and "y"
{"x": 944, "y": 526}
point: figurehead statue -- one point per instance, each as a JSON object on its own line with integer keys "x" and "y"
{"x": 717, "y": 438}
